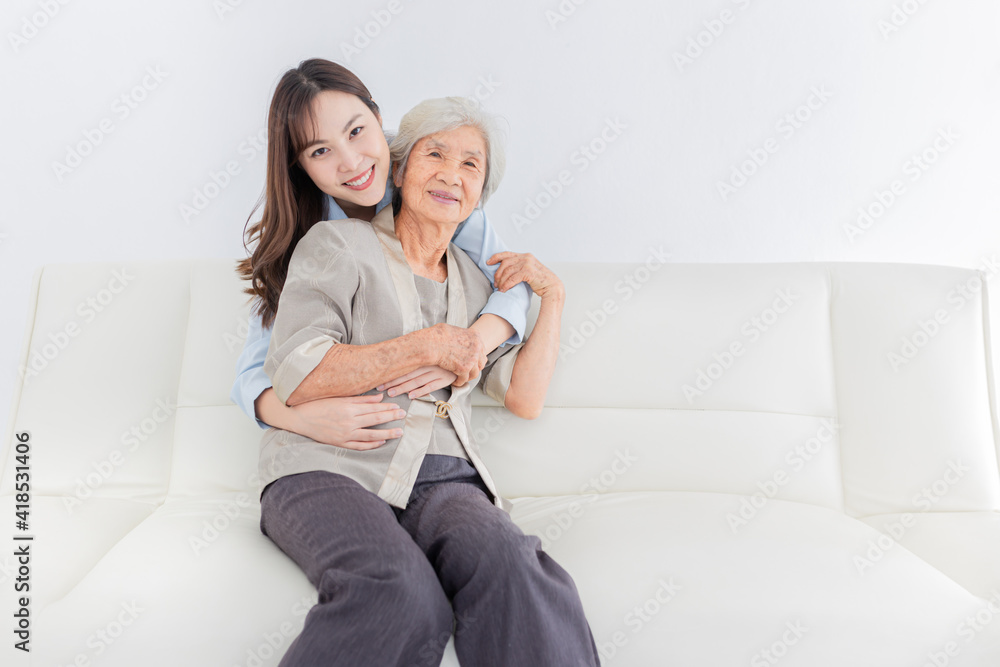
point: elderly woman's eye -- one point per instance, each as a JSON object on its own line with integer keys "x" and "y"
{"x": 434, "y": 154}
{"x": 472, "y": 164}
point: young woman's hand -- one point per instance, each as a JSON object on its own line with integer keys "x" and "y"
{"x": 420, "y": 382}
{"x": 346, "y": 422}
{"x": 525, "y": 268}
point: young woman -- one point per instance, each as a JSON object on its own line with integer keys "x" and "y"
{"x": 344, "y": 173}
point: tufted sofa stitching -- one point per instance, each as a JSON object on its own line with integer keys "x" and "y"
{"x": 835, "y": 393}
{"x": 124, "y": 535}
{"x": 180, "y": 380}
{"x": 830, "y": 296}
{"x": 29, "y": 331}
{"x": 990, "y": 378}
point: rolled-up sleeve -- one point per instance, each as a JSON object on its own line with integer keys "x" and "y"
{"x": 479, "y": 240}
{"x": 251, "y": 380}
{"x": 314, "y": 311}
{"x": 498, "y": 371}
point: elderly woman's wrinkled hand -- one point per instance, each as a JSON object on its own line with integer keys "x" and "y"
{"x": 525, "y": 268}
{"x": 459, "y": 350}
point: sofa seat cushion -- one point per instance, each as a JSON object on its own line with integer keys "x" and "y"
{"x": 654, "y": 569}
{"x": 963, "y": 545}
{"x": 71, "y": 537}
{"x": 196, "y": 570}
{"x": 659, "y": 569}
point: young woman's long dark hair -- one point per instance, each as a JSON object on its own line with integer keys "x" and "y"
{"x": 292, "y": 202}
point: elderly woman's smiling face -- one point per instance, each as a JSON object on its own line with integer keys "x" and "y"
{"x": 444, "y": 176}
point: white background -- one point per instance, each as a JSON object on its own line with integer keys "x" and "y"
{"x": 684, "y": 92}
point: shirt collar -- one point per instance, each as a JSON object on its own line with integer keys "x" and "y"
{"x": 334, "y": 212}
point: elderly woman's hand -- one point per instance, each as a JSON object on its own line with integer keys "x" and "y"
{"x": 458, "y": 350}
{"x": 536, "y": 361}
{"x": 524, "y": 267}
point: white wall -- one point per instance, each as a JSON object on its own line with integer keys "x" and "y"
{"x": 887, "y": 80}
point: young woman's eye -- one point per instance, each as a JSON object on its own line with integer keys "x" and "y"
{"x": 319, "y": 151}
{"x": 356, "y": 131}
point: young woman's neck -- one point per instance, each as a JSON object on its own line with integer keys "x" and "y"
{"x": 365, "y": 213}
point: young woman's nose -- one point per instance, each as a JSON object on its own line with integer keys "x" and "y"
{"x": 350, "y": 160}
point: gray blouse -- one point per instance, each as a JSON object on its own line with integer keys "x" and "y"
{"x": 434, "y": 308}
{"x": 349, "y": 283}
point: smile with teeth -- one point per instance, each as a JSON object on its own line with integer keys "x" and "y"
{"x": 443, "y": 195}
{"x": 361, "y": 180}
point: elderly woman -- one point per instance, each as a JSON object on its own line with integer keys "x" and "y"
{"x": 408, "y": 538}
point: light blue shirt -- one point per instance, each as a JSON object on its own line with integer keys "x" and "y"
{"x": 475, "y": 236}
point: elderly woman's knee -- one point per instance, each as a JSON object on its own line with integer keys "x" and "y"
{"x": 492, "y": 548}
{"x": 397, "y": 614}
{"x": 393, "y": 576}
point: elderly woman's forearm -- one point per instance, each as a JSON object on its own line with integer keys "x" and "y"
{"x": 536, "y": 362}
{"x": 349, "y": 370}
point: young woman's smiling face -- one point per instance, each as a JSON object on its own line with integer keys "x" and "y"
{"x": 347, "y": 156}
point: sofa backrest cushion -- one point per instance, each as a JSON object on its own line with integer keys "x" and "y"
{"x": 860, "y": 387}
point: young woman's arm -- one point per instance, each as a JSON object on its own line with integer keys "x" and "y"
{"x": 477, "y": 237}
{"x": 343, "y": 422}
{"x": 251, "y": 380}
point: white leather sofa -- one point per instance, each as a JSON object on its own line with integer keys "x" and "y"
{"x": 754, "y": 464}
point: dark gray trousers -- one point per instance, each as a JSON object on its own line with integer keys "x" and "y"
{"x": 393, "y": 583}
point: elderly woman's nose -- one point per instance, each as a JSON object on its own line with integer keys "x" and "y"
{"x": 450, "y": 173}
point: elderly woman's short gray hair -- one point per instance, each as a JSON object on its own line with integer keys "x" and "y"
{"x": 447, "y": 113}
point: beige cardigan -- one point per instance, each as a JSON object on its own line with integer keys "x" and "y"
{"x": 349, "y": 283}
